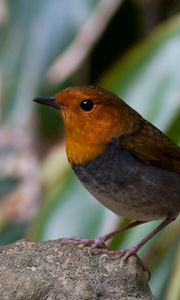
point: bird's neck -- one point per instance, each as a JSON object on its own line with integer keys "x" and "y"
{"x": 80, "y": 152}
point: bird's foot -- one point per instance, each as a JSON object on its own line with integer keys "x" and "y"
{"x": 93, "y": 244}
{"x": 124, "y": 254}
{"x": 98, "y": 246}
{"x": 100, "y": 241}
{"x": 133, "y": 251}
{"x": 129, "y": 252}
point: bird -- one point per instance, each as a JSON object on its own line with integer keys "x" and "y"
{"x": 124, "y": 161}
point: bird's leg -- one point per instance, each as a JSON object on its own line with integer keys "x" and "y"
{"x": 100, "y": 241}
{"x": 133, "y": 250}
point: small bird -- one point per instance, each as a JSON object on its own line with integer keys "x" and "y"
{"x": 124, "y": 161}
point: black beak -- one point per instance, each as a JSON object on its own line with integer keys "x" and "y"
{"x": 47, "y": 101}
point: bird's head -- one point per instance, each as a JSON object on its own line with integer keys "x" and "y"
{"x": 92, "y": 117}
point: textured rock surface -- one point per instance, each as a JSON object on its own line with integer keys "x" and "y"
{"x": 54, "y": 270}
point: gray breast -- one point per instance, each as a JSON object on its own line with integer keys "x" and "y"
{"x": 130, "y": 187}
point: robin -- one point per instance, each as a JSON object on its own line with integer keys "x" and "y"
{"x": 124, "y": 161}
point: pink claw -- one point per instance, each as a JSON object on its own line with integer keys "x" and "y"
{"x": 96, "y": 243}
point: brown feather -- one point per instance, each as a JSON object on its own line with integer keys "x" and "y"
{"x": 152, "y": 146}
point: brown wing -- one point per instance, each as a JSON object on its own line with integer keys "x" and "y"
{"x": 152, "y": 146}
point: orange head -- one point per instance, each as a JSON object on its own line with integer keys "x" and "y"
{"x": 92, "y": 117}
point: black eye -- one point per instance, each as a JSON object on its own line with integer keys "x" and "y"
{"x": 87, "y": 105}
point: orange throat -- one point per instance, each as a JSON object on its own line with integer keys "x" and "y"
{"x": 82, "y": 153}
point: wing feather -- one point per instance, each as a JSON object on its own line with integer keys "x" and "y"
{"x": 153, "y": 147}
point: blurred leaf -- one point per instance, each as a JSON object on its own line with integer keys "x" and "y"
{"x": 36, "y": 32}
{"x": 7, "y": 185}
{"x": 162, "y": 272}
{"x": 12, "y": 233}
{"x": 49, "y": 205}
{"x": 70, "y": 211}
{"x": 173, "y": 290}
{"x": 54, "y": 168}
{"x": 148, "y": 77}
{"x": 174, "y": 129}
